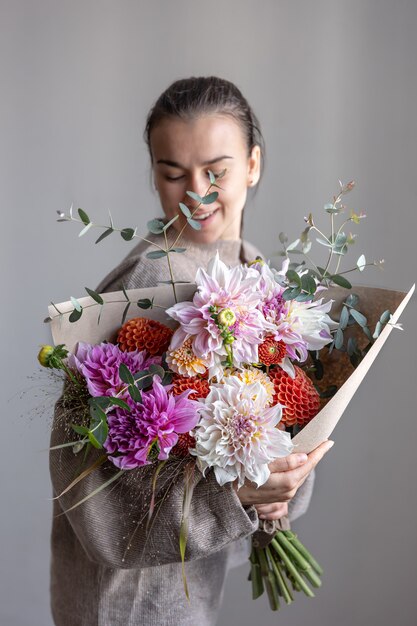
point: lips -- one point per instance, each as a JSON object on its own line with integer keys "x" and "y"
{"x": 202, "y": 216}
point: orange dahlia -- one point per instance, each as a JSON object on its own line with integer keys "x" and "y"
{"x": 298, "y": 395}
{"x": 142, "y": 333}
{"x": 271, "y": 352}
{"x": 200, "y": 386}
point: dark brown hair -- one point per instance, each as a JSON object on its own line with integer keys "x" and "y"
{"x": 192, "y": 97}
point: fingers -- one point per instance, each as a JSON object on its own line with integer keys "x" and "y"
{"x": 272, "y": 511}
{"x": 287, "y": 463}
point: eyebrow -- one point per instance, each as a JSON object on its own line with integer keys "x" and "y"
{"x": 175, "y": 164}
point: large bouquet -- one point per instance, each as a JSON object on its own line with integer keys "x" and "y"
{"x": 225, "y": 379}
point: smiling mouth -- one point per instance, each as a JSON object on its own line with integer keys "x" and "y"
{"x": 201, "y": 217}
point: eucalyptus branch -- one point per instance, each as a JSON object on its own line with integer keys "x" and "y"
{"x": 170, "y": 266}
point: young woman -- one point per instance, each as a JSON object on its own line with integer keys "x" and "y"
{"x": 108, "y": 567}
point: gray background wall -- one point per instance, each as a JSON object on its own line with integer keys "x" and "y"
{"x": 334, "y": 85}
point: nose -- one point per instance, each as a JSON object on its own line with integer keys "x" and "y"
{"x": 198, "y": 183}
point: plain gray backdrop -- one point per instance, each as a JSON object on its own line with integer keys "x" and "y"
{"x": 334, "y": 85}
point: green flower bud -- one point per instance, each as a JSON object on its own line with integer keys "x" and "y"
{"x": 226, "y": 317}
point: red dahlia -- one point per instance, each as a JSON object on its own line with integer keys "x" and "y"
{"x": 271, "y": 352}
{"x": 200, "y": 386}
{"x": 141, "y": 333}
{"x": 298, "y": 395}
{"x": 184, "y": 442}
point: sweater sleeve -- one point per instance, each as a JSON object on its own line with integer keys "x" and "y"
{"x": 113, "y": 525}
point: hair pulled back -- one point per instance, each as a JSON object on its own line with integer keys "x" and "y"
{"x": 193, "y": 97}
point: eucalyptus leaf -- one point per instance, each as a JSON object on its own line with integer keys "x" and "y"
{"x": 344, "y": 318}
{"x": 105, "y": 234}
{"x": 361, "y": 263}
{"x": 304, "y": 297}
{"x": 306, "y": 247}
{"x": 308, "y": 284}
{"x": 211, "y": 177}
{"x": 194, "y": 224}
{"x": 127, "y": 234}
{"x": 157, "y": 370}
{"x": 323, "y": 242}
{"x": 126, "y": 375}
{"x": 168, "y": 224}
{"x": 84, "y": 217}
{"x": 291, "y": 293}
{"x": 145, "y": 303}
{"x": 385, "y": 317}
{"x": 125, "y": 293}
{"x": 143, "y": 379}
{"x": 293, "y": 278}
{"x": 210, "y": 197}
{"x": 283, "y": 238}
{"x": 340, "y": 240}
{"x": 378, "y": 330}
{"x": 178, "y": 250}
{"x": 125, "y": 312}
{"x": 194, "y": 196}
{"x": 352, "y": 346}
{"x": 156, "y": 254}
{"x": 338, "y": 340}
{"x": 75, "y": 304}
{"x": 292, "y": 245}
{"x": 352, "y": 299}
{"x": 358, "y": 317}
{"x": 85, "y": 230}
{"x": 80, "y": 430}
{"x": 135, "y": 393}
{"x": 184, "y": 209}
{"x": 156, "y": 226}
{"x": 75, "y": 316}
{"x": 96, "y": 297}
{"x": 341, "y": 281}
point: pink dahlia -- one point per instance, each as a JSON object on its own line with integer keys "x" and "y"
{"x": 154, "y": 422}
{"x": 223, "y": 320}
{"x": 99, "y": 364}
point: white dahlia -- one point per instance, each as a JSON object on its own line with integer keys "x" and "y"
{"x": 237, "y": 433}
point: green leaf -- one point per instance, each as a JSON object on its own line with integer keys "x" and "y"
{"x": 126, "y": 375}
{"x": 306, "y": 247}
{"x": 367, "y": 332}
{"x": 84, "y": 217}
{"x": 211, "y": 177}
{"x": 344, "y": 318}
{"x": 145, "y": 303}
{"x": 178, "y": 250}
{"x": 194, "y": 224}
{"x": 80, "y": 430}
{"x": 184, "y": 209}
{"x": 378, "y": 329}
{"x": 168, "y": 224}
{"x": 352, "y": 299}
{"x": 125, "y": 312}
{"x": 330, "y": 208}
{"x": 292, "y": 245}
{"x": 125, "y": 293}
{"x": 143, "y": 379}
{"x": 157, "y": 370}
{"x": 96, "y": 297}
{"x": 293, "y": 278}
{"x": 358, "y": 317}
{"x": 352, "y": 346}
{"x": 304, "y": 297}
{"x": 76, "y": 304}
{"x": 291, "y": 293}
{"x": 98, "y": 427}
{"x": 323, "y": 242}
{"x": 385, "y": 317}
{"x": 85, "y": 229}
{"x": 102, "y": 401}
{"x": 156, "y": 227}
{"x": 340, "y": 240}
{"x": 195, "y": 196}
{"x": 338, "y": 341}
{"x": 106, "y": 233}
{"x": 308, "y": 284}
{"x": 127, "y": 234}
{"x": 283, "y": 238}
{"x": 156, "y": 254}
{"x": 210, "y": 197}
{"x": 75, "y": 316}
{"x": 361, "y": 262}
{"x": 341, "y": 281}
{"x": 134, "y": 393}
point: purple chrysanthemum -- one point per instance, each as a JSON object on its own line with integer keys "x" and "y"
{"x": 156, "y": 420}
{"x": 99, "y": 365}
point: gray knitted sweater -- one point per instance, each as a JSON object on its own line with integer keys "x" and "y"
{"x": 108, "y": 568}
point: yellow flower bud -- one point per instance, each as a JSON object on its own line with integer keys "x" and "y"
{"x": 44, "y": 355}
{"x": 226, "y": 317}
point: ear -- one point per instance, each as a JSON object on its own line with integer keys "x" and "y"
{"x": 254, "y": 166}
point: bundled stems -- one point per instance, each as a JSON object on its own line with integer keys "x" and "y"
{"x": 282, "y": 566}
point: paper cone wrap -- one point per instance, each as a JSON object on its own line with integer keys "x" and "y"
{"x": 338, "y": 370}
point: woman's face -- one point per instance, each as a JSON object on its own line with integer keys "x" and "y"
{"x": 183, "y": 153}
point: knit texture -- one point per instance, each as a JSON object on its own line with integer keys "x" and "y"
{"x": 108, "y": 568}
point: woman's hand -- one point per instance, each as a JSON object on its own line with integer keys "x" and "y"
{"x": 272, "y": 511}
{"x": 287, "y": 475}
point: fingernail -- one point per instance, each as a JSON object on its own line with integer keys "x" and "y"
{"x": 261, "y": 516}
{"x": 302, "y": 457}
{"x": 331, "y": 444}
